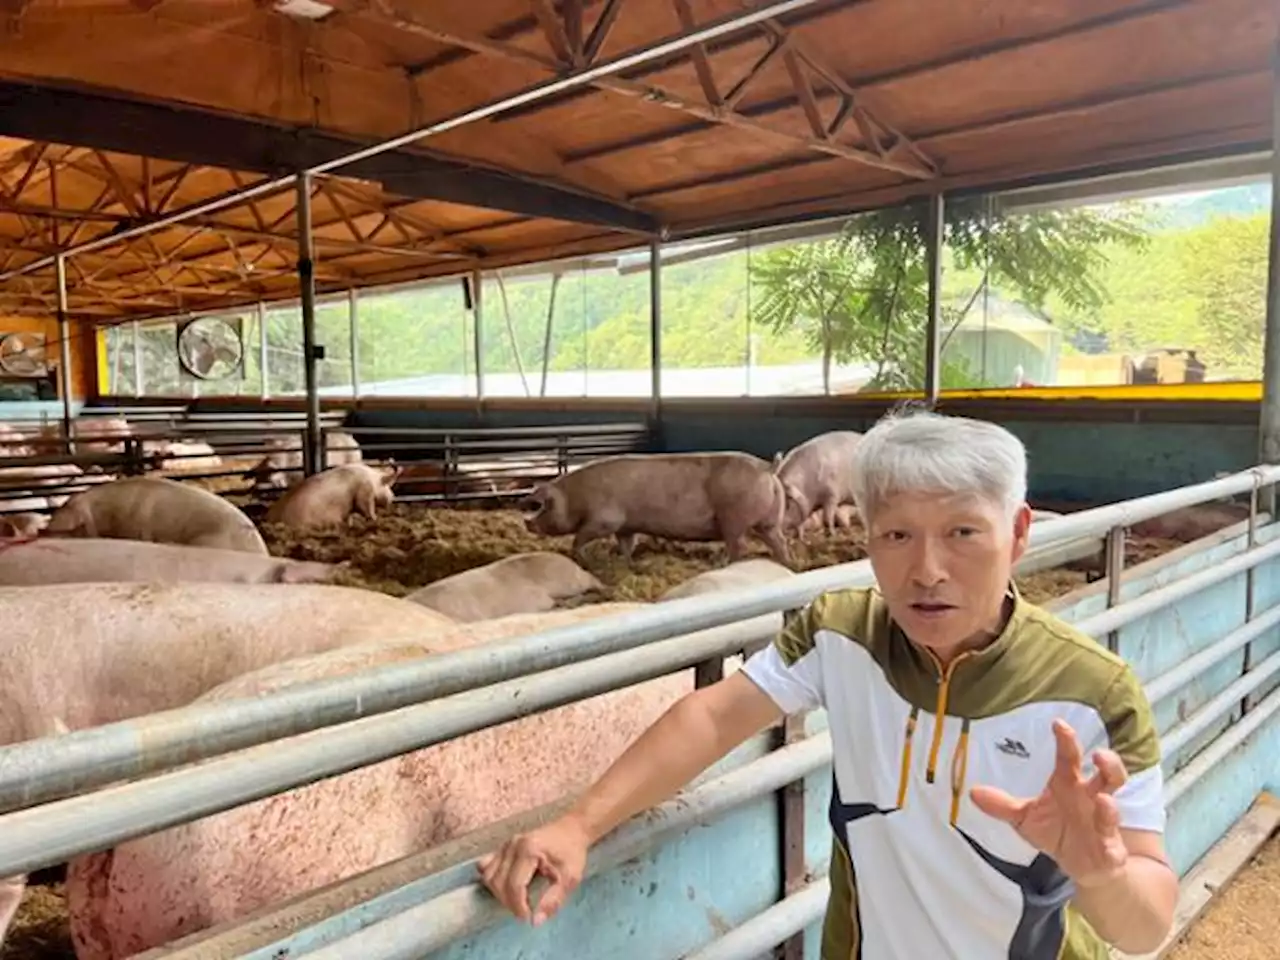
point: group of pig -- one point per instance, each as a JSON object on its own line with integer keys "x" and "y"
{"x": 702, "y": 496}
{"x": 210, "y": 616}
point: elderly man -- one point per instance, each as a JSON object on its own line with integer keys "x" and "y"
{"x": 967, "y": 824}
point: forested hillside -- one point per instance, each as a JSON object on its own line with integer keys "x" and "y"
{"x": 1135, "y": 276}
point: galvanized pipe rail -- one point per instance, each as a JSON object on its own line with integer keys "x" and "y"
{"x": 38, "y": 770}
{"x": 455, "y": 911}
{"x": 55, "y": 832}
{"x": 757, "y": 936}
{"x": 1164, "y": 686}
{"x": 468, "y": 908}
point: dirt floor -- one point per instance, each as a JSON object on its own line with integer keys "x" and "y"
{"x": 411, "y": 545}
{"x": 1243, "y": 923}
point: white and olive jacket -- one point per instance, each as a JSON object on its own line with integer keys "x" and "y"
{"x": 917, "y": 871}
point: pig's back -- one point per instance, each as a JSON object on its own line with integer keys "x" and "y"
{"x": 98, "y": 652}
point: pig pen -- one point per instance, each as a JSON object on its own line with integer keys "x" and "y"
{"x": 409, "y": 546}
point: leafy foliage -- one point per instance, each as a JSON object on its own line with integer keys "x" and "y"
{"x": 862, "y": 297}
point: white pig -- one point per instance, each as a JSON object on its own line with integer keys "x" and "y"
{"x": 83, "y": 654}
{"x": 153, "y": 889}
{"x": 680, "y": 496}
{"x": 525, "y": 583}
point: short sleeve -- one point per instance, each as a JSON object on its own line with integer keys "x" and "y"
{"x": 789, "y": 669}
{"x": 1133, "y": 735}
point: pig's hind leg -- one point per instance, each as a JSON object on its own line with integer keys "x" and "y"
{"x": 11, "y": 891}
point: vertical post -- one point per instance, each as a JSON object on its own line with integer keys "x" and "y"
{"x": 933, "y": 259}
{"x": 137, "y": 359}
{"x": 311, "y": 456}
{"x": 1115, "y": 571}
{"x": 1246, "y": 703}
{"x": 1269, "y": 424}
{"x": 64, "y": 344}
{"x": 791, "y": 812}
{"x": 262, "y": 349}
{"x": 655, "y": 332}
{"x": 353, "y": 322}
{"x": 477, "y": 316}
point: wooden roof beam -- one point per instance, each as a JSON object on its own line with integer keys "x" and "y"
{"x": 913, "y": 164}
{"x": 187, "y": 135}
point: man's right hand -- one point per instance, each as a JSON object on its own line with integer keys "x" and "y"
{"x": 557, "y": 851}
{"x": 694, "y": 732}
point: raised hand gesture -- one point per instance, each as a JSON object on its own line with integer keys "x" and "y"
{"x": 1074, "y": 820}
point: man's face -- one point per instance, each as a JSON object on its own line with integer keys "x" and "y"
{"x": 943, "y": 564}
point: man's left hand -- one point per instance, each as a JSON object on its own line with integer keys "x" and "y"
{"x": 1074, "y": 820}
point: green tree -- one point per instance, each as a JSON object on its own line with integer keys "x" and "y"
{"x": 862, "y": 296}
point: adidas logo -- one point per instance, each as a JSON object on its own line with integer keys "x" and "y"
{"x": 1014, "y": 748}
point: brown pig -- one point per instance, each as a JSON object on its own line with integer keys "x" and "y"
{"x": 330, "y": 497}
{"x": 82, "y": 654}
{"x": 1192, "y": 523}
{"x": 75, "y": 560}
{"x": 680, "y": 496}
{"x": 153, "y": 889}
{"x": 157, "y": 510}
{"x": 821, "y": 472}
{"x": 526, "y": 583}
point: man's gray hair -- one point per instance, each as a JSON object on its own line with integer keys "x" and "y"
{"x": 917, "y": 451}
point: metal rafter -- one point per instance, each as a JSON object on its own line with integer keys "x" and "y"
{"x": 899, "y": 155}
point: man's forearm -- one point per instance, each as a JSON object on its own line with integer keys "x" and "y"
{"x": 685, "y": 741}
{"x": 1133, "y": 913}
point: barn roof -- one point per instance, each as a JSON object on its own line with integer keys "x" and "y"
{"x": 114, "y": 112}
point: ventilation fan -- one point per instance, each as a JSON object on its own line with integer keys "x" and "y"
{"x": 22, "y": 355}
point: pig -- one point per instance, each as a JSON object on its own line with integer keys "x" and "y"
{"x": 153, "y": 889}
{"x": 157, "y": 510}
{"x": 103, "y": 434}
{"x": 22, "y": 526}
{"x": 15, "y": 442}
{"x": 821, "y": 472}
{"x": 277, "y": 468}
{"x": 680, "y": 496}
{"x": 736, "y": 576}
{"x": 75, "y": 560}
{"x": 65, "y": 479}
{"x": 526, "y": 583}
{"x": 330, "y": 497}
{"x": 80, "y": 655}
{"x": 1192, "y": 523}
{"x": 181, "y": 456}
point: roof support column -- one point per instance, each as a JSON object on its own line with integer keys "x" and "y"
{"x": 1269, "y": 421}
{"x": 933, "y": 262}
{"x": 655, "y": 333}
{"x": 477, "y": 328}
{"x": 64, "y": 352}
{"x": 353, "y": 324}
{"x": 312, "y": 455}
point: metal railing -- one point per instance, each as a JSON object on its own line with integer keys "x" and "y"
{"x": 460, "y": 464}
{"x": 508, "y": 679}
{"x": 469, "y": 461}
{"x": 460, "y": 908}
